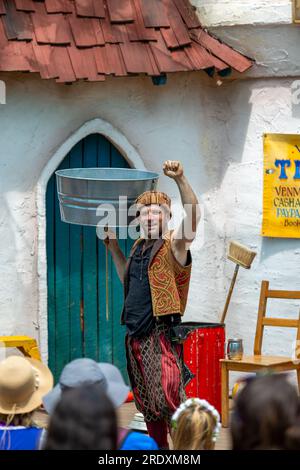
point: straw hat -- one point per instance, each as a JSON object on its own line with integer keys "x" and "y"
{"x": 23, "y": 383}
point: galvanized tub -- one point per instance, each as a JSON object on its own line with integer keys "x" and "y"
{"x": 82, "y": 190}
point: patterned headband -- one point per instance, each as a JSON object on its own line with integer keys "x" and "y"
{"x": 153, "y": 197}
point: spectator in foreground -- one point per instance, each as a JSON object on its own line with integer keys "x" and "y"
{"x": 23, "y": 382}
{"x": 195, "y": 425}
{"x": 83, "y": 419}
{"x": 84, "y": 371}
{"x": 266, "y": 415}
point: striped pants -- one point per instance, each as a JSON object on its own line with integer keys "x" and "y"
{"x": 154, "y": 366}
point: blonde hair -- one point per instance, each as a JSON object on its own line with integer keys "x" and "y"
{"x": 194, "y": 429}
{"x": 24, "y": 419}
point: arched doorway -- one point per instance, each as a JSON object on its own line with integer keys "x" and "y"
{"x": 77, "y": 323}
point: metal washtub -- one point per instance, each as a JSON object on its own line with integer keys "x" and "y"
{"x": 82, "y": 190}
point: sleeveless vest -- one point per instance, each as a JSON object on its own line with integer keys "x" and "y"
{"x": 169, "y": 281}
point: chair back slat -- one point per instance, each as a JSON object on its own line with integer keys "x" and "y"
{"x": 284, "y": 294}
{"x": 284, "y": 322}
{"x": 262, "y": 320}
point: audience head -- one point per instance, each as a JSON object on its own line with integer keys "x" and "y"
{"x": 86, "y": 371}
{"x": 266, "y": 415}
{"x": 23, "y": 383}
{"x": 83, "y": 419}
{"x": 195, "y": 425}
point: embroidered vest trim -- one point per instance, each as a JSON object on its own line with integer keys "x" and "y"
{"x": 169, "y": 281}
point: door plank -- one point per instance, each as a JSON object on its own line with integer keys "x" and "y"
{"x": 50, "y": 242}
{"x": 105, "y": 339}
{"x": 119, "y": 359}
{"x": 62, "y": 262}
{"x": 76, "y": 299}
{"x": 90, "y": 272}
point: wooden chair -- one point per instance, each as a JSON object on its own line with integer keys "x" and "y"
{"x": 258, "y": 362}
{"x": 28, "y": 346}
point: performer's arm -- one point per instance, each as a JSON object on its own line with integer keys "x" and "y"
{"x": 117, "y": 254}
{"x": 185, "y": 233}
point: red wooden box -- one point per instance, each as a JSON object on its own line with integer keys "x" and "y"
{"x": 203, "y": 349}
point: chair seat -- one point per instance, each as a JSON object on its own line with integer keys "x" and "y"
{"x": 27, "y": 345}
{"x": 261, "y": 361}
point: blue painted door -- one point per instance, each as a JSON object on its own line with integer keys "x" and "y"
{"x": 77, "y": 323}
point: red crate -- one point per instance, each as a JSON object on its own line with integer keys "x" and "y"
{"x": 203, "y": 349}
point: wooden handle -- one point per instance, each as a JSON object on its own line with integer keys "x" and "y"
{"x": 229, "y": 294}
{"x": 106, "y": 284}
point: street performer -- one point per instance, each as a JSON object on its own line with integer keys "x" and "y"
{"x": 156, "y": 280}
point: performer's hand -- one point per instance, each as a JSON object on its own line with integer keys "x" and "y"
{"x": 111, "y": 239}
{"x": 173, "y": 169}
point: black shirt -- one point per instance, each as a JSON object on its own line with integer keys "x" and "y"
{"x": 139, "y": 317}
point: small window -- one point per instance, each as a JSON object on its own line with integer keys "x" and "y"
{"x": 296, "y": 11}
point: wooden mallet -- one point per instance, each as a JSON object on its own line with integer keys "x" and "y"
{"x": 242, "y": 256}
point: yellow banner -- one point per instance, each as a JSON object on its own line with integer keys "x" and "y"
{"x": 281, "y": 204}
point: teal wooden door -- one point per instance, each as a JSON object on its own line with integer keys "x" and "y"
{"x": 77, "y": 324}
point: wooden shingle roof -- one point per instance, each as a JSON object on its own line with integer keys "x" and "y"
{"x": 69, "y": 40}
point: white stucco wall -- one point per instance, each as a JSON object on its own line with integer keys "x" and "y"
{"x": 243, "y": 12}
{"x": 215, "y": 131}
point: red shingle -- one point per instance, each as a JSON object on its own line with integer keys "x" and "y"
{"x": 25, "y": 5}
{"x": 115, "y": 62}
{"x": 50, "y": 29}
{"x": 181, "y": 57}
{"x": 84, "y": 32}
{"x": 17, "y": 23}
{"x": 136, "y": 58}
{"x": 154, "y": 14}
{"x": 90, "y": 8}
{"x": 199, "y": 56}
{"x": 43, "y": 58}
{"x": 101, "y": 60}
{"x": 83, "y": 63}
{"x": 60, "y": 59}
{"x": 164, "y": 59}
{"x": 109, "y": 60}
{"x": 152, "y": 61}
{"x": 132, "y": 32}
{"x": 120, "y": 32}
{"x": 218, "y": 64}
{"x": 98, "y": 31}
{"x": 2, "y": 8}
{"x": 224, "y": 52}
{"x": 177, "y": 24}
{"x": 54, "y": 62}
{"x": 188, "y": 13}
{"x": 120, "y": 11}
{"x": 89, "y": 39}
{"x": 170, "y": 38}
{"x": 144, "y": 34}
{"x": 15, "y": 56}
{"x": 107, "y": 30}
{"x": 3, "y": 38}
{"x": 58, "y": 6}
